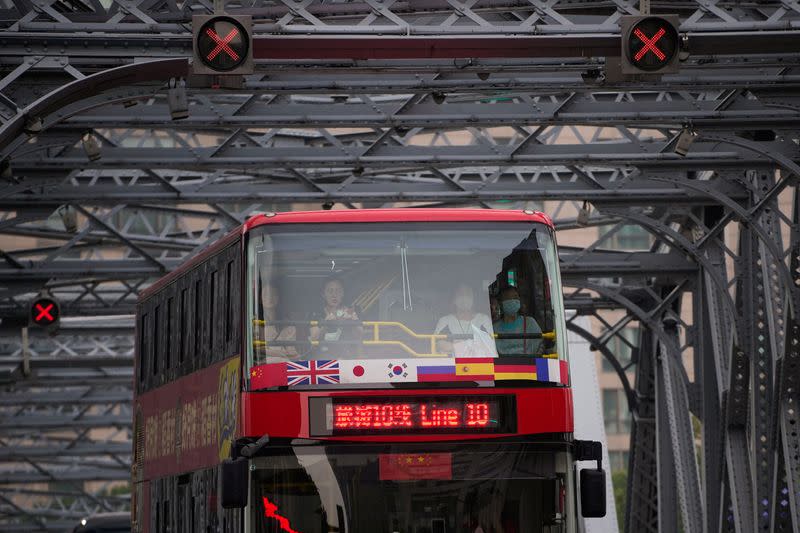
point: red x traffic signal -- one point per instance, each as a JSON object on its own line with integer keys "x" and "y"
{"x": 44, "y": 312}
{"x": 222, "y": 44}
{"x": 650, "y": 45}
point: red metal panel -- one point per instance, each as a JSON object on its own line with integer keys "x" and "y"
{"x": 364, "y": 47}
{"x": 399, "y": 215}
{"x": 285, "y": 414}
{"x": 190, "y": 423}
{"x": 419, "y": 47}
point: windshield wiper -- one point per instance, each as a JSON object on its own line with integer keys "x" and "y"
{"x": 407, "y": 305}
{"x": 249, "y": 450}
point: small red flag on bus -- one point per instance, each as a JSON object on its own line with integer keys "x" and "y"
{"x": 264, "y": 376}
{"x": 409, "y": 466}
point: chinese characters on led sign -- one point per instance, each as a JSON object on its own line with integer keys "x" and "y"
{"x": 408, "y": 415}
{"x": 392, "y": 415}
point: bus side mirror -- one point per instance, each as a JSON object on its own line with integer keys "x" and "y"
{"x": 233, "y": 483}
{"x": 593, "y": 492}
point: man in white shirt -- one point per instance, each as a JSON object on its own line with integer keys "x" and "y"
{"x": 465, "y": 321}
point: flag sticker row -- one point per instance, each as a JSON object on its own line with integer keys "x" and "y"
{"x": 372, "y": 371}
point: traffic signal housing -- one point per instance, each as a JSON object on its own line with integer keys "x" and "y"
{"x": 223, "y": 44}
{"x": 650, "y": 44}
{"x": 44, "y": 312}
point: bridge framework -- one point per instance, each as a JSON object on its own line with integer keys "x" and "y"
{"x": 86, "y": 133}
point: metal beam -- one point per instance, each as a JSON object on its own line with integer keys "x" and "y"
{"x": 647, "y": 155}
{"x": 364, "y": 190}
{"x": 651, "y": 109}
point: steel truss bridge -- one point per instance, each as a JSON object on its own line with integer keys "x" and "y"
{"x": 418, "y": 102}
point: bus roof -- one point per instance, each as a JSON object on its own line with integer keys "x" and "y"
{"x": 352, "y": 216}
{"x": 398, "y": 215}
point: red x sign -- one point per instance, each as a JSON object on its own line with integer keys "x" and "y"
{"x": 222, "y": 44}
{"x": 44, "y": 311}
{"x": 649, "y": 44}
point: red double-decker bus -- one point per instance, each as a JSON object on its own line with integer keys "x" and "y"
{"x": 362, "y": 371}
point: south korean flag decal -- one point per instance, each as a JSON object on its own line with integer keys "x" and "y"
{"x": 377, "y": 371}
{"x": 397, "y": 370}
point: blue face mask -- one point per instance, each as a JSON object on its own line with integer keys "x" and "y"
{"x": 510, "y": 307}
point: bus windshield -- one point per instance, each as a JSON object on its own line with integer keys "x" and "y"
{"x": 412, "y": 489}
{"x": 392, "y": 302}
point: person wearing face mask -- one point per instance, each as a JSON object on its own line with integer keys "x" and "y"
{"x": 465, "y": 321}
{"x": 512, "y": 322}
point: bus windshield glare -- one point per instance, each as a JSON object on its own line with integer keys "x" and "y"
{"x": 412, "y": 489}
{"x": 403, "y": 294}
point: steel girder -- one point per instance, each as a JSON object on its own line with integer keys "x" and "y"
{"x": 159, "y": 29}
{"x": 377, "y": 155}
{"x": 438, "y": 16}
{"x": 733, "y": 390}
{"x": 742, "y": 109}
{"x": 789, "y": 377}
{"x": 65, "y": 421}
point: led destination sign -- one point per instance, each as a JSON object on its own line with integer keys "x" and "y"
{"x": 375, "y": 416}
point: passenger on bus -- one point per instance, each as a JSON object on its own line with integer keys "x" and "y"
{"x": 338, "y": 338}
{"x": 271, "y": 331}
{"x": 494, "y": 308}
{"x": 511, "y": 323}
{"x": 465, "y": 322}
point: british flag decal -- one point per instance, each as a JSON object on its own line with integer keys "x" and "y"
{"x": 312, "y": 372}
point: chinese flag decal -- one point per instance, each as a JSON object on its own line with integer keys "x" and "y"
{"x": 408, "y": 466}
{"x": 263, "y": 376}
{"x": 269, "y": 512}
